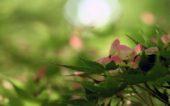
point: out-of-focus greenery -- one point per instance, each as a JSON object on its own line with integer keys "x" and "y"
{"x": 35, "y": 37}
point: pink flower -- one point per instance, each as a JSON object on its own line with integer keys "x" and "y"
{"x": 120, "y": 52}
{"x": 125, "y": 56}
{"x": 124, "y": 52}
{"x": 165, "y": 39}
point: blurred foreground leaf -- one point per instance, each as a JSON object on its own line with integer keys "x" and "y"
{"x": 88, "y": 66}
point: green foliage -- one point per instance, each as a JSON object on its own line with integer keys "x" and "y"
{"x": 88, "y": 66}
{"x": 111, "y": 66}
{"x": 22, "y": 93}
{"x": 35, "y": 36}
{"x": 151, "y": 76}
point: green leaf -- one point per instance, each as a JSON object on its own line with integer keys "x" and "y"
{"x": 111, "y": 86}
{"x": 82, "y": 102}
{"x": 157, "y": 71}
{"x": 88, "y": 66}
{"x": 161, "y": 81}
{"x": 15, "y": 101}
{"x": 159, "y": 31}
{"x": 87, "y": 70}
{"x": 105, "y": 89}
{"x": 134, "y": 77}
{"x": 111, "y": 66}
{"x": 22, "y": 93}
{"x": 165, "y": 54}
{"x": 91, "y": 91}
{"x": 93, "y": 64}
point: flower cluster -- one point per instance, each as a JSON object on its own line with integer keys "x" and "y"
{"x": 130, "y": 57}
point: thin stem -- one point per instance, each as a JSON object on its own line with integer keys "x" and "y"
{"x": 149, "y": 94}
{"x": 149, "y": 90}
{"x": 122, "y": 98}
{"x": 157, "y": 96}
{"x": 137, "y": 93}
{"x": 136, "y": 42}
{"x": 150, "y": 97}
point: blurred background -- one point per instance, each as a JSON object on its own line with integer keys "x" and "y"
{"x": 36, "y": 35}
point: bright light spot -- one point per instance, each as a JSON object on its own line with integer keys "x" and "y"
{"x": 128, "y": 102}
{"x": 148, "y": 18}
{"x": 7, "y": 85}
{"x": 92, "y": 13}
{"x": 76, "y": 42}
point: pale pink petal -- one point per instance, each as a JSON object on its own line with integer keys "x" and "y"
{"x": 151, "y": 50}
{"x": 165, "y": 39}
{"x": 116, "y": 59}
{"x": 104, "y": 60}
{"x": 114, "y": 44}
{"x": 137, "y": 50}
{"x": 123, "y": 51}
{"x": 123, "y": 48}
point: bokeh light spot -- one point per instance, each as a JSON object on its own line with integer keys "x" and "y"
{"x": 92, "y": 13}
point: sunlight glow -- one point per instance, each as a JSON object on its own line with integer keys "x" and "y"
{"x": 92, "y": 13}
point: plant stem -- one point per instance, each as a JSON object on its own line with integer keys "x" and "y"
{"x": 157, "y": 96}
{"x": 151, "y": 92}
{"x": 137, "y": 93}
{"x": 151, "y": 101}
